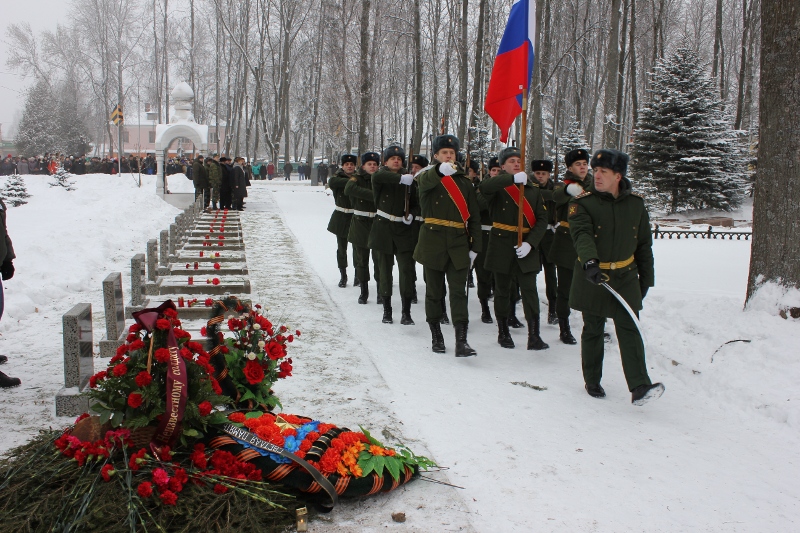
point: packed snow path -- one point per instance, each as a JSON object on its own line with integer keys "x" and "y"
{"x": 716, "y": 453}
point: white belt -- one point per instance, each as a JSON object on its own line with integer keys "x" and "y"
{"x": 363, "y": 213}
{"x": 343, "y": 210}
{"x": 387, "y": 216}
{"x": 486, "y": 228}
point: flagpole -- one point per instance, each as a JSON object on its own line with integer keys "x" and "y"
{"x": 523, "y": 142}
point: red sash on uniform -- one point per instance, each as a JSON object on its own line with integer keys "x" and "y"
{"x": 457, "y": 196}
{"x": 527, "y": 210}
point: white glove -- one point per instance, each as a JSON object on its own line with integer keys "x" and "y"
{"x": 406, "y": 179}
{"x": 521, "y": 177}
{"x": 523, "y": 250}
{"x": 573, "y": 189}
{"x": 472, "y": 256}
{"x": 408, "y": 220}
{"x": 447, "y": 169}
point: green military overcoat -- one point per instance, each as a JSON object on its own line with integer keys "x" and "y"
{"x": 359, "y": 189}
{"x": 437, "y": 244}
{"x": 339, "y": 223}
{"x": 389, "y": 236}
{"x": 500, "y": 254}
{"x": 562, "y": 252}
{"x": 611, "y": 230}
{"x": 546, "y": 191}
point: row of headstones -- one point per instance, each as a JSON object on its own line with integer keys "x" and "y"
{"x": 78, "y": 335}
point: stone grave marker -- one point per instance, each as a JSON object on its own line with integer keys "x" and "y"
{"x": 114, "y": 305}
{"x": 78, "y": 361}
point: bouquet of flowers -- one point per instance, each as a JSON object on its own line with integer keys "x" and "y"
{"x": 255, "y": 357}
{"x": 151, "y": 382}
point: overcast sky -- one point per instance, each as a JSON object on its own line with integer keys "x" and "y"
{"x": 41, "y": 15}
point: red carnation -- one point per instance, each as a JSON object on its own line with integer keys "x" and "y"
{"x": 205, "y": 408}
{"x": 297, "y": 332}
{"x": 145, "y": 490}
{"x": 138, "y": 344}
{"x": 290, "y": 338}
{"x": 253, "y": 372}
{"x": 107, "y": 471}
{"x": 143, "y": 378}
{"x": 175, "y": 485}
{"x": 239, "y": 418}
{"x": 168, "y": 497}
{"x": 122, "y": 350}
{"x": 120, "y": 370}
{"x": 134, "y": 328}
{"x": 220, "y": 489}
{"x": 160, "y": 477}
{"x": 215, "y": 386}
{"x": 162, "y": 355}
{"x": 209, "y": 302}
{"x": 171, "y": 313}
{"x": 216, "y": 254}
{"x": 135, "y": 400}
{"x": 186, "y": 354}
{"x": 162, "y": 323}
{"x": 217, "y": 266}
{"x": 215, "y": 281}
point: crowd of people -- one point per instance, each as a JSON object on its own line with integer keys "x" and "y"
{"x": 221, "y": 181}
{"x": 589, "y": 233}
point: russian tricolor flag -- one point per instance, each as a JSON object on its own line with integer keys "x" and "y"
{"x": 512, "y": 67}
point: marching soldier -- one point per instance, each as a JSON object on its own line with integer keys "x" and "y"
{"x": 359, "y": 189}
{"x": 448, "y": 241}
{"x": 611, "y": 231}
{"x": 392, "y": 235}
{"x": 507, "y": 261}
{"x": 342, "y": 215}
{"x": 485, "y": 276}
{"x": 541, "y": 173}
{"x": 562, "y": 251}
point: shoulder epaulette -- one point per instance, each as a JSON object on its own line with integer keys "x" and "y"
{"x": 354, "y": 178}
{"x": 583, "y": 195}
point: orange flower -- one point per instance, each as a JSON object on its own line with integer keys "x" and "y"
{"x": 376, "y": 450}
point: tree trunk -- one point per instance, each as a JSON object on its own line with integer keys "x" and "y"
{"x": 418, "y": 93}
{"x": 776, "y": 213}
{"x": 634, "y": 80}
{"x": 166, "y": 65}
{"x": 366, "y": 78}
{"x": 746, "y": 16}
{"x": 620, "y": 142}
{"x": 463, "y": 77}
{"x": 612, "y": 85}
{"x": 477, "y": 82}
{"x": 717, "y": 45}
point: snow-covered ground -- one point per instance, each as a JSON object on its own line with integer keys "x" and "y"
{"x": 718, "y": 452}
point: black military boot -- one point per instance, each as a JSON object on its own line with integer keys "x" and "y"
{"x": 437, "y": 339}
{"x": 405, "y": 318}
{"x": 566, "y": 334}
{"x": 470, "y": 281}
{"x": 552, "y": 316}
{"x": 535, "y": 342}
{"x": 445, "y": 319}
{"x": 503, "y": 336}
{"x": 343, "y": 280}
{"x": 7, "y": 382}
{"x": 364, "y": 293}
{"x": 595, "y": 391}
{"x": 414, "y": 298}
{"x": 387, "y": 311}
{"x": 3, "y": 359}
{"x": 486, "y": 313}
{"x": 641, "y": 394}
{"x": 513, "y": 321}
{"x": 462, "y": 348}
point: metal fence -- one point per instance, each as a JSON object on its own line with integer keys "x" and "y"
{"x": 659, "y": 233}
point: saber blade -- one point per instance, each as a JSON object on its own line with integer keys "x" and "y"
{"x": 630, "y": 311}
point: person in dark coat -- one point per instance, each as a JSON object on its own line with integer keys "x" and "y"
{"x": 238, "y": 184}
{"x": 226, "y": 184}
{"x": 7, "y": 271}
{"x": 287, "y": 171}
{"x": 200, "y": 179}
{"x": 322, "y": 173}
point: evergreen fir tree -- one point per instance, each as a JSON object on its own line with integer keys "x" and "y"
{"x": 480, "y": 140}
{"x": 62, "y": 180}
{"x": 71, "y": 132}
{"x": 37, "y": 132}
{"x": 572, "y": 140}
{"x": 15, "y": 192}
{"x": 685, "y": 154}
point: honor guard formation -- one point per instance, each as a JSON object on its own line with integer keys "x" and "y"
{"x": 589, "y": 233}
